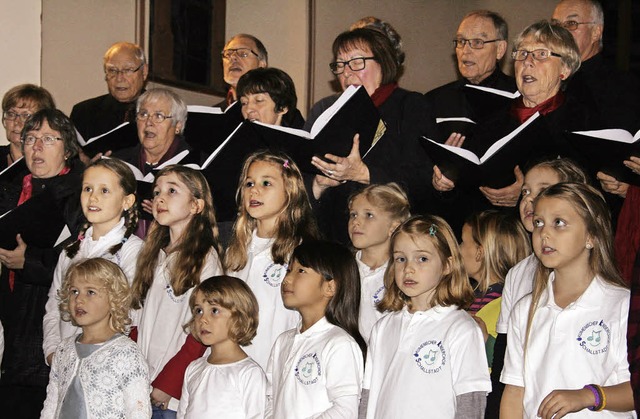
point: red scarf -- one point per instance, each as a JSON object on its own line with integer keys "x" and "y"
{"x": 25, "y": 194}
{"x": 522, "y": 113}
{"x": 382, "y": 93}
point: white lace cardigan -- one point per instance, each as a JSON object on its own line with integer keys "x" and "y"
{"x": 114, "y": 379}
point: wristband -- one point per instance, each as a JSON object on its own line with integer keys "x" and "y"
{"x": 604, "y": 399}
{"x": 596, "y": 394}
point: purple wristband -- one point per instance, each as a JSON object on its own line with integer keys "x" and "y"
{"x": 596, "y": 395}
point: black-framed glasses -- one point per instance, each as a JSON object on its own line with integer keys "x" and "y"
{"x": 156, "y": 118}
{"x": 239, "y": 52}
{"x": 537, "y": 54}
{"x": 355, "y": 64}
{"x": 12, "y": 116}
{"x": 112, "y": 72}
{"x": 473, "y": 43}
{"x": 570, "y": 25}
{"x": 47, "y": 140}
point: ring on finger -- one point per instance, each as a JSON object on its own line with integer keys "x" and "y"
{"x": 330, "y": 172}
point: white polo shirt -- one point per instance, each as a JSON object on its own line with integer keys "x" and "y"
{"x": 584, "y": 343}
{"x": 517, "y": 284}
{"x": 371, "y": 292}
{"x": 418, "y": 363}
{"x": 308, "y": 371}
{"x": 230, "y": 391}
{"x": 264, "y": 277}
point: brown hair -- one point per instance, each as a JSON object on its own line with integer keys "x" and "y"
{"x": 454, "y": 287}
{"x": 24, "y": 94}
{"x": 378, "y": 43}
{"x": 200, "y": 235}
{"x": 111, "y": 277}
{"x": 235, "y": 295}
{"x": 295, "y": 224}
{"x": 128, "y": 183}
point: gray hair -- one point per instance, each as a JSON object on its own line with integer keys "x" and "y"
{"x": 263, "y": 55}
{"x": 137, "y": 51}
{"x": 556, "y": 38}
{"x": 502, "y": 29}
{"x": 178, "y": 106}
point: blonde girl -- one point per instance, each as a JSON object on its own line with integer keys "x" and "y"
{"x": 374, "y": 213}
{"x": 108, "y": 201}
{"x": 274, "y": 216}
{"x": 101, "y": 372}
{"x": 315, "y": 369}
{"x": 181, "y": 248}
{"x": 567, "y": 349}
{"x": 427, "y": 341}
{"x": 225, "y": 316}
{"x": 492, "y": 243}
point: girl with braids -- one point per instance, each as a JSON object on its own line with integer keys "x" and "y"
{"x": 316, "y": 369}
{"x": 274, "y": 216}
{"x": 181, "y": 249}
{"x": 108, "y": 201}
{"x": 567, "y": 346}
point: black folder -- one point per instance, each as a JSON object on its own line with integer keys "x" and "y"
{"x": 605, "y": 150}
{"x": 38, "y": 220}
{"x": 207, "y": 127}
{"x": 495, "y": 167}
{"x": 123, "y": 136}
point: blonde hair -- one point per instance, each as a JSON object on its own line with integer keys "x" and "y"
{"x": 112, "y": 279}
{"x": 453, "y": 288}
{"x": 234, "y": 295}
{"x": 294, "y": 224}
{"x": 389, "y": 197}
{"x": 504, "y": 242}
{"x": 200, "y": 235}
{"x": 592, "y": 208}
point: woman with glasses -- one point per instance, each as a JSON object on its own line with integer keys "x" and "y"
{"x": 545, "y": 57}
{"x": 50, "y": 150}
{"x": 18, "y": 104}
{"x": 161, "y": 116}
{"x": 368, "y": 57}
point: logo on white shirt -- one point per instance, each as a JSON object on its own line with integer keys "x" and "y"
{"x": 274, "y": 274}
{"x": 594, "y": 337}
{"x": 430, "y": 356}
{"x": 377, "y": 296}
{"x": 308, "y": 369}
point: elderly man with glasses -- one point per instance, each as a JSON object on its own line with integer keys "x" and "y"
{"x": 242, "y": 53}
{"x": 126, "y": 70}
{"x": 480, "y": 43}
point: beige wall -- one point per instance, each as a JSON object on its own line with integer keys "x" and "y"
{"x": 75, "y": 34}
{"x": 20, "y": 46}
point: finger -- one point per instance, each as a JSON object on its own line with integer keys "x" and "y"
{"x": 519, "y": 174}
{"x": 437, "y": 173}
{"x": 20, "y": 241}
{"x": 460, "y": 141}
{"x": 605, "y": 177}
{"x": 355, "y": 148}
{"x": 453, "y": 139}
{"x": 107, "y": 154}
{"x": 322, "y": 165}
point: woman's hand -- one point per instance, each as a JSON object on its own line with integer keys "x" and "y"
{"x": 440, "y": 182}
{"x": 612, "y": 185}
{"x": 560, "y": 402}
{"x": 14, "y": 259}
{"x": 344, "y": 168}
{"x": 455, "y": 140}
{"x": 321, "y": 184}
{"x": 147, "y": 205}
{"x": 160, "y": 399}
{"x": 507, "y": 196}
{"x": 99, "y": 156}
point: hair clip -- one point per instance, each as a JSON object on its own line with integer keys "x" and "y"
{"x": 286, "y": 164}
{"x": 80, "y": 237}
{"x": 433, "y": 230}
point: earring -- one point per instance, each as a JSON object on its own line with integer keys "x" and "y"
{"x": 177, "y": 131}
{"x": 589, "y": 246}
{"x": 561, "y": 76}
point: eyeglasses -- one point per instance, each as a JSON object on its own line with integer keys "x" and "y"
{"x": 47, "y": 140}
{"x": 239, "y": 52}
{"x": 536, "y": 54}
{"x": 12, "y": 116}
{"x": 355, "y": 64}
{"x": 113, "y": 72}
{"x": 570, "y": 25}
{"x": 156, "y": 118}
{"x": 473, "y": 43}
